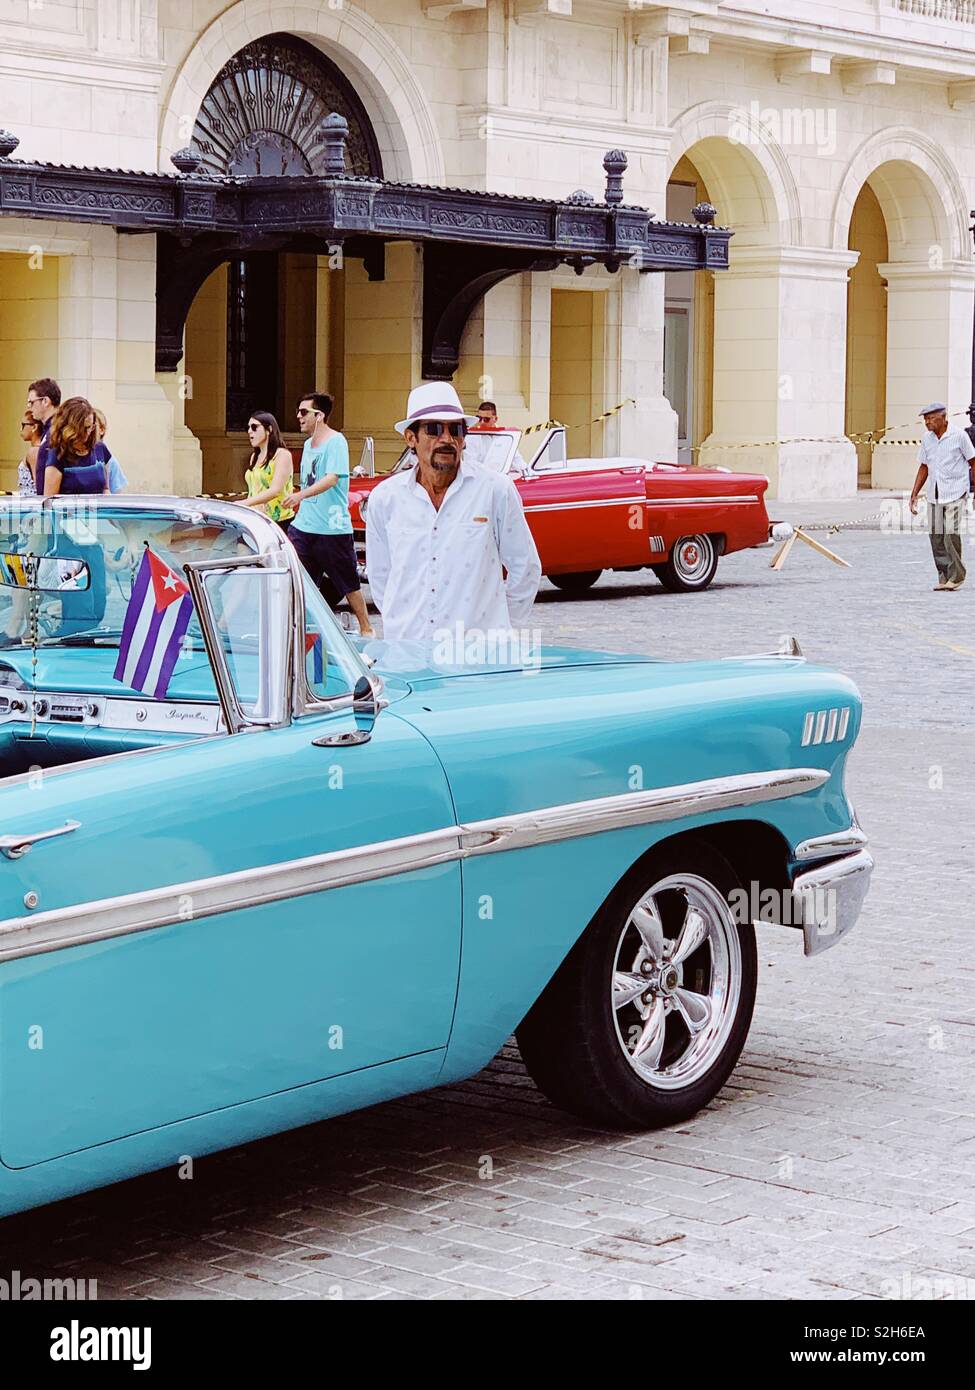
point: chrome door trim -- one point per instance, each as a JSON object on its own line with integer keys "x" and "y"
{"x": 159, "y": 907}
{"x": 698, "y": 501}
{"x": 635, "y": 499}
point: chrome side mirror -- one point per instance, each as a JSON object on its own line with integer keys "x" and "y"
{"x": 365, "y": 708}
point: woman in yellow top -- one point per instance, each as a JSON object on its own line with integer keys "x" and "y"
{"x": 270, "y": 470}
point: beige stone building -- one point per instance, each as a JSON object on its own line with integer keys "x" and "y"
{"x": 835, "y": 137}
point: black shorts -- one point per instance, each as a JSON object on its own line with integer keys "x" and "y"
{"x": 328, "y": 558}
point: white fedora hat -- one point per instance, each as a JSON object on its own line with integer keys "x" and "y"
{"x": 434, "y": 400}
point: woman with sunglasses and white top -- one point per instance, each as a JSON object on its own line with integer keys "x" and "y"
{"x": 32, "y": 434}
{"x": 440, "y": 535}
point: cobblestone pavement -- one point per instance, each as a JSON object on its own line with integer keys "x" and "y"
{"x": 838, "y": 1161}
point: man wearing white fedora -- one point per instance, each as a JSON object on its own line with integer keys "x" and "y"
{"x": 439, "y": 535}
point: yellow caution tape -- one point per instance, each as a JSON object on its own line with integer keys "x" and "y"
{"x": 557, "y": 424}
{"x": 871, "y": 437}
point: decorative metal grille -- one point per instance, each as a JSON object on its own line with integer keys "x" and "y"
{"x": 264, "y": 111}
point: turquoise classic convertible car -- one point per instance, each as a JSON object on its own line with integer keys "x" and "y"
{"x": 253, "y": 875}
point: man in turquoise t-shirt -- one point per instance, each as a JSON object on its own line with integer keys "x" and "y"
{"x": 322, "y": 531}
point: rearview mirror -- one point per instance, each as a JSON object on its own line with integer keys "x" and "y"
{"x": 43, "y": 573}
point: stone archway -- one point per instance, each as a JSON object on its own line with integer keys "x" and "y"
{"x": 902, "y": 210}
{"x": 769, "y": 395}
{"x": 407, "y": 136}
{"x": 746, "y": 172}
{"x": 919, "y": 190}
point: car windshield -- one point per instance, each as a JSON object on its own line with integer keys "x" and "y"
{"x": 42, "y": 607}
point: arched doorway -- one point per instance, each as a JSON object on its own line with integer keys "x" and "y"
{"x": 866, "y": 332}
{"x": 269, "y": 325}
{"x": 710, "y": 332}
{"x": 689, "y": 325}
{"x": 902, "y": 209}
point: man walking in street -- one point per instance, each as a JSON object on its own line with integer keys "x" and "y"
{"x": 944, "y": 460}
{"x": 322, "y": 531}
{"x": 440, "y": 535}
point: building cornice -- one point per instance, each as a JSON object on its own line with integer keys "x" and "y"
{"x": 921, "y": 59}
{"x": 519, "y": 124}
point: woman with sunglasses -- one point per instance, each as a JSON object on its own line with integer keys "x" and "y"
{"x": 270, "y": 471}
{"x": 31, "y": 432}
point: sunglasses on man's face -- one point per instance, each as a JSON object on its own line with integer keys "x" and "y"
{"x": 434, "y": 429}
{"x": 302, "y": 413}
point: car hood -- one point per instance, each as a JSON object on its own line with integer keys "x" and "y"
{"x": 593, "y": 724}
{"x": 415, "y": 665}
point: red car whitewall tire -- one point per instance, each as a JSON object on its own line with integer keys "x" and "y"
{"x": 691, "y": 565}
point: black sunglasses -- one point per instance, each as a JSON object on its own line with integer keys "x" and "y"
{"x": 434, "y": 429}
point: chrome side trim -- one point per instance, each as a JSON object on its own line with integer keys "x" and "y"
{"x": 636, "y": 500}
{"x": 208, "y": 897}
{"x": 830, "y": 846}
{"x": 633, "y": 500}
{"x": 160, "y": 907}
{"x": 698, "y": 501}
{"x": 644, "y": 808}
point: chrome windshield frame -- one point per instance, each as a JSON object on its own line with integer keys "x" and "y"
{"x": 269, "y": 542}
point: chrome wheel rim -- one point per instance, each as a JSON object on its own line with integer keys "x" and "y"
{"x": 676, "y": 981}
{"x": 692, "y": 557}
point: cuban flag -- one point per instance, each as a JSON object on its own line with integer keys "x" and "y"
{"x": 156, "y": 620}
{"x": 313, "y": 644}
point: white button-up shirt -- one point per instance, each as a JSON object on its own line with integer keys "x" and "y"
{"x": 947, "y": 462}
{"x": 430, "y": 570}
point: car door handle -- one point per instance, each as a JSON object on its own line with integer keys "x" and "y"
{"x": 15, "y": 846}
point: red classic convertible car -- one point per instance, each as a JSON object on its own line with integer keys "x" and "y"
{"x": 590, "y": 515}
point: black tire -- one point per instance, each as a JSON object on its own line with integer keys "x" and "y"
{"x": 575, "y": 583}
{"x": 690, "y": 566}
{"x": 573, "y": 1039}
